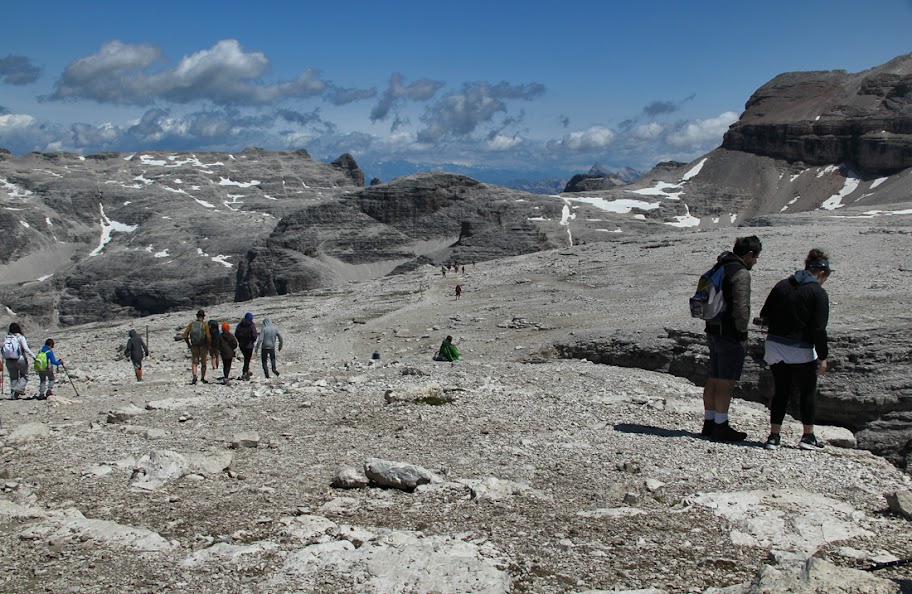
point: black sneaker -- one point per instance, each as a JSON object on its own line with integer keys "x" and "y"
{"x": 809, "y": 442}
{"x": 773, "y": 441}
{"x": 276, "y": 371}
{"x": 724, "y": 432}
{"x": 193, "y": 383}
{"x": 205, "y": 381}
{"x": 708, "y": 426}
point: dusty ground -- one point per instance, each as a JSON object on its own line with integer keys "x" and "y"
{"x": 577, "y": 440}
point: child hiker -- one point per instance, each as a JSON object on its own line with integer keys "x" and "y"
{"x": 45, "y": 364}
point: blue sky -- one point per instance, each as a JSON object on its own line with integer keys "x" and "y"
{"x": 540, "y": 86}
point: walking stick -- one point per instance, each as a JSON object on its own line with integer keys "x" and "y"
{"x": 71, "y": 380}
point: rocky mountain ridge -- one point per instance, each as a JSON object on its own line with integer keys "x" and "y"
{"x": 821, "y": 118}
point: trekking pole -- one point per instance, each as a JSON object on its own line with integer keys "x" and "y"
{"x": 71, "y": 380}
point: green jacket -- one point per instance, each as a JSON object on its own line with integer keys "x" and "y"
{"x": 449, "y": 351}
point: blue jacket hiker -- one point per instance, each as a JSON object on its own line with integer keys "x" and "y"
{"x": 45, "y": 364}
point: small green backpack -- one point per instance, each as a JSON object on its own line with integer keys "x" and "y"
{"x": 41, "y": 361}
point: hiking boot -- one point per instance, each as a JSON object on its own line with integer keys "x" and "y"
{"x": 49, "y": 393}
{"x": 809, "y": 442}
{"x": 772, "y": 442}
{"x": 193, "y": 383}
{"x": 724, "y": 432}
{"x": 708, "y": 426}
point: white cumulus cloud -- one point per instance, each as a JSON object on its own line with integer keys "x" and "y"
{"x": 698, "y": 132}
{"x": 593, "y": 137}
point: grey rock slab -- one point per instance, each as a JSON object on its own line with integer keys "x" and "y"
{"x": 209, "y": 463}
{"x": 428, "y": 394}
{"x": 178, "y": 403}
{"x": 157, "y": 467}
{"x": 792, "y": 520}
{"x": 223, "y": 554}
{"x": 817, "y": 576}
{"x": 399, "y": 475}
{"x": 124, "y": 414}
{"x": 349, "y": 477}
{"x": 836, "y": 436}
{"x": 404, "y": 562}
{"x": 245, "y": 439}
{"x": 113, "y": 534}
{"x": 493, "y": 489}
{"x": 900, "y": 502}
{"x": 28, "y": 432}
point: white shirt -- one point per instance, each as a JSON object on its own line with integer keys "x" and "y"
{"x": 776, "y": 352}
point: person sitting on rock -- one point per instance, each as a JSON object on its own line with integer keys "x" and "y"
{"x": 448, "y": 351}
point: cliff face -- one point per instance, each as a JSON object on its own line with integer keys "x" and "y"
{"x": 862, "y": 119}
{"x": 422, "y": 218}
{"x": 90, "y": 238}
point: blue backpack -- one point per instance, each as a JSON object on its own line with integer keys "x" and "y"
{"x": 708, "y": 302}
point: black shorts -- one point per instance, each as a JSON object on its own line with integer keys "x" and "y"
{"x": 726, "y": 357}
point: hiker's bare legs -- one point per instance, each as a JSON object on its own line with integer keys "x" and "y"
{"x": 717, "y": 395}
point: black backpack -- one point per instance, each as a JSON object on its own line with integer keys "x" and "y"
{"x": 213, "y": 334}
{"x": 243, "y": 334}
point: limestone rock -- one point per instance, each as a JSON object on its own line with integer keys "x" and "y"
{"x": 246, "y": 439}
{"x": 900, "y": 502}
{"x": 493, "y": 489}
{"x": 349, "y": 477}
{"x": 399, "y": 475}
{"x": 816, "y": 576}
{"x": 428, "y": 394}
{"x": 28, "y": 432}
{"x": 157, "y": 467}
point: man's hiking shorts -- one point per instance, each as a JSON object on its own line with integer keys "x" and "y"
{"x": 726, "y": 357}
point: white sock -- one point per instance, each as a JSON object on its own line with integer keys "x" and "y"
{"x": 709, "y": 415}
{"x": 721, "y": 418}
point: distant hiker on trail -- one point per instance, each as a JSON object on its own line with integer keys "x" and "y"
{"x": 268, "y": 340}
{"x": 463, "y": 268}
{"x": 246, "y": 335}
{"x": 214, "y": 345}
{"x": 443, "y": 271}
{"x": 447, "y": 351}
{"x": 726, "y": 336}
{"x": 458, "y": 291}
{"x": 15, "y": 348}
{"x": 45, "y": 364}
{"x": 197, "y": 338}
{"x": 796, "y": 313}
{"x": 227, "y": 344}
{"x": 136, "y": 350}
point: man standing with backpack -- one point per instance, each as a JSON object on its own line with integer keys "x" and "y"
{"x": 726, "y": 335}
{"x": 197, "y": 338}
